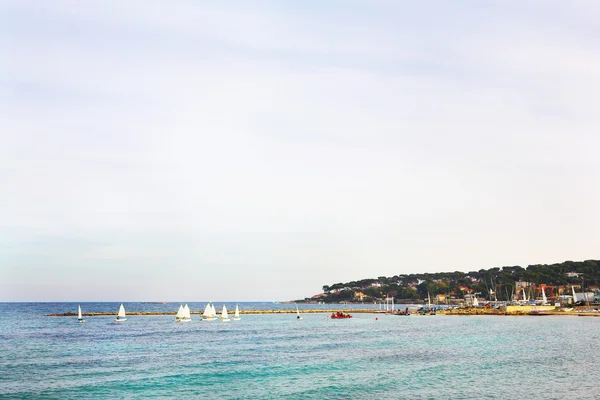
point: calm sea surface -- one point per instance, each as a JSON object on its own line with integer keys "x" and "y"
{"x": 276, "y": 356}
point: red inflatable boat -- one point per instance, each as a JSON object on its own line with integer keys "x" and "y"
{"x": 340, "y": 315}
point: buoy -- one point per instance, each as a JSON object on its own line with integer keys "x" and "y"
{"x": 376, "y": 319}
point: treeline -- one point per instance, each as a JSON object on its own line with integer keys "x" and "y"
{"x": 500, "y": 280}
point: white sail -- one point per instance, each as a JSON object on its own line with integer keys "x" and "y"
{"x": 207, "y": 311}
{"x": 237, "y": 311}
{"x": 79, "y": 316}
{"x": 298, "y": 313}
{"x": 428, "y": 300}
{"x": 224, "y": 315}
{"x": 186, "y": 313}
{"x": 475, "y": 301}
{"x": 179, "y": 312}
{"x": 574, "y": 295}
{"x": 121, "y": 316}
{"x": 544, "y": 298}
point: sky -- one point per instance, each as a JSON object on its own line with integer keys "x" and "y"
{"x": 258, "y": 150}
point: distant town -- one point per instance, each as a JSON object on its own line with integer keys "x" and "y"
{"x": 568, "y": 282}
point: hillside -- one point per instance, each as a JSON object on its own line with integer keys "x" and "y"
{"x": 503, "y": 282}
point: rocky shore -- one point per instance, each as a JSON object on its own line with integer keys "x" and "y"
{"x": 516, "y": 311}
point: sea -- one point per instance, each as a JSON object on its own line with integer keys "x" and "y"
{"x": 276, "y": 356}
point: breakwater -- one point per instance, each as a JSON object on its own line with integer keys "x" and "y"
{"x": 150, "y": 313}
{"x": 524, "y": 310}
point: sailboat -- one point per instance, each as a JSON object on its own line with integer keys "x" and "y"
{"x": 186, "y": 314}
{"x": 121, "y": 316}
{"x": 544, "y": 298}
{"x": 475, "y": 301}
{"x": 183, "y": 314}
{"x": 298, "y": 317}
{"x": 236, "y": 316}
{"x": 209, "y": 313}
{"x": 224, "y": 315}
{"x": 79, "y": 316}
{"x": 179, "y": 314}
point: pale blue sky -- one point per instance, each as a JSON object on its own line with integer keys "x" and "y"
{"x": 257, "y": 150}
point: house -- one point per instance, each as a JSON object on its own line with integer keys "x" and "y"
{"x": 441, "y": 298}
{"x": 573, "y": 274}
{"x": 523, "y": 284}
{"x": 359, "y": 296}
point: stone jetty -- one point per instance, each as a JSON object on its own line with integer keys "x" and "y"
{"x": 150, "y": 313}
{"x": 511, "y": 310}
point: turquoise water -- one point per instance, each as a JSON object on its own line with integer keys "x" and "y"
{"x": 276, "y": 356}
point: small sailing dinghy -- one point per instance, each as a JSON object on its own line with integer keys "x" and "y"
{"x": 179, "y": 314}
{"x": 224, "y": 315}
{"x": 186, "y": 314}
{"x": 236, "y": 316}
{"x": 298, "y": 317}
{"x": 121, "y": 317}
{"x": 80, "y": 317}
{"x": 209, "y": 313}
{"x": 183, "y": 314}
